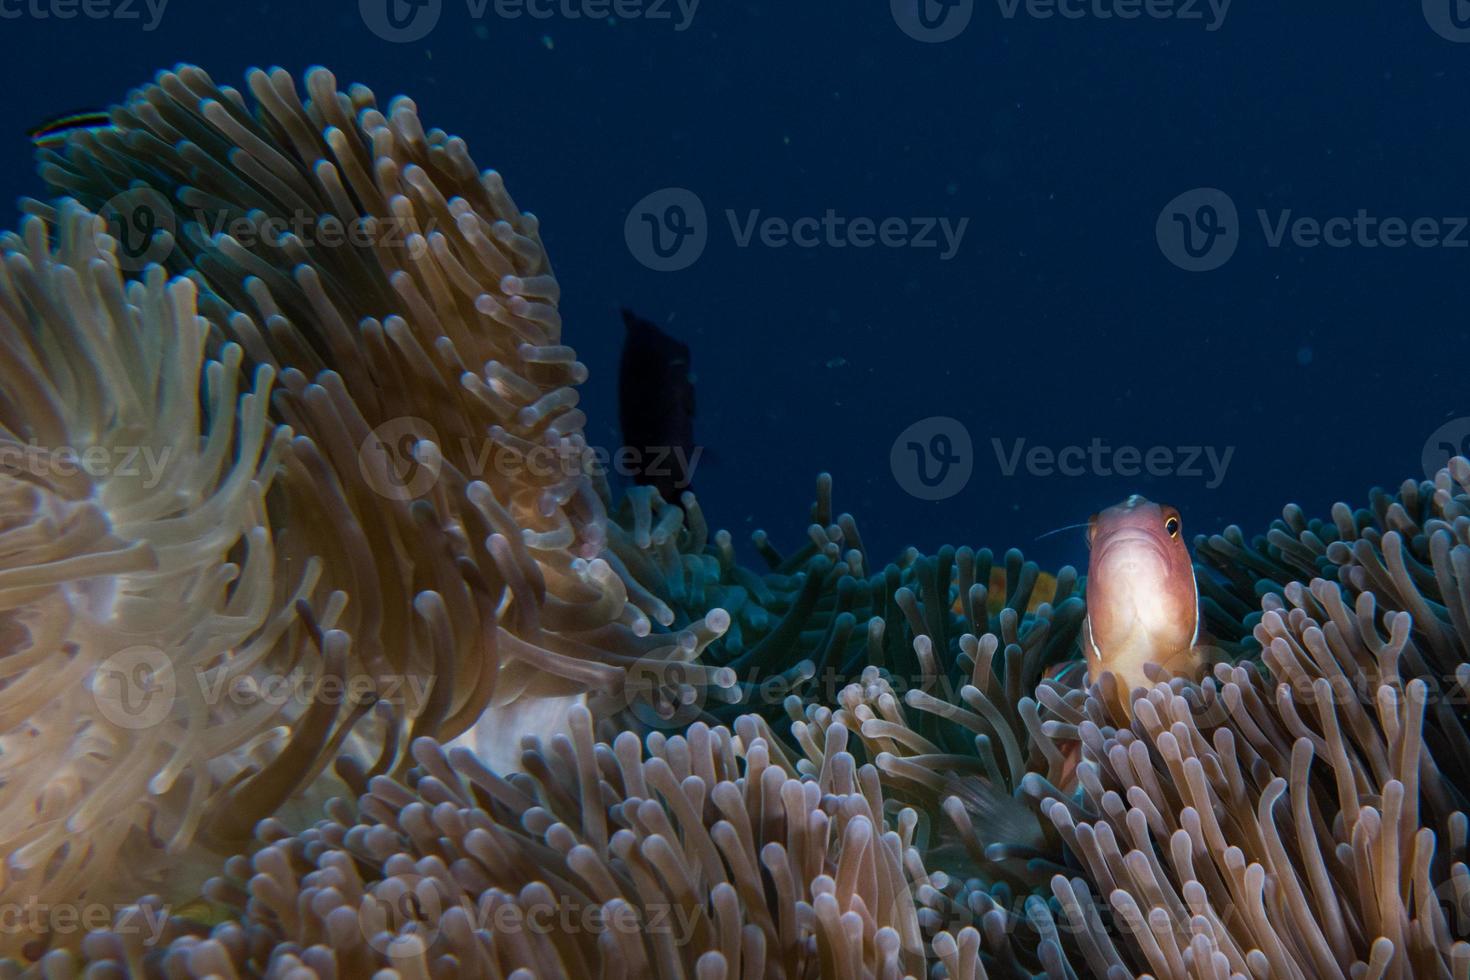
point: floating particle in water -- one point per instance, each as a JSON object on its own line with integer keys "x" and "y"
{"x": 482, "y": 32}
{"x": 547, "y": 42}
{"x": 837, "y": 362}
{"x": 1304, "y": 355}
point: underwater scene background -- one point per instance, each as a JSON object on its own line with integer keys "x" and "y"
{"x": 339, "y": 637}
{"x": 1056, "y": 320}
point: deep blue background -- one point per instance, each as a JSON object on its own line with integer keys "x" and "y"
{"x": 1058, "y": 321}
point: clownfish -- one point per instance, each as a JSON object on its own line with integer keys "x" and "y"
{"x": 1142, "y": 608}
{"x": 1142, "y": 598}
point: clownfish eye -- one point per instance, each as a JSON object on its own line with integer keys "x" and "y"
{"x": 1172, "y": 526}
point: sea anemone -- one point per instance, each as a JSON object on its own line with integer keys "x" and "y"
{"x": 701, "y": 854}
{"x": 1174, "y": 857}
{"x": 137, "y": 575}
{"x": 1221, "y": 846}
{"x": 814, "y": 620}
{"x": 821, "y": 769}
{"x": 438, "y": 467}
{"x": 408, "y": 521}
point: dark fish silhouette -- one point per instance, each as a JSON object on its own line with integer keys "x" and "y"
{"x": 656, "y": 408}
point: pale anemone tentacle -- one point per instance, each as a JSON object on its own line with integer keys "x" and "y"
{"x": 138, "y": 576}
{"x": 696, "y": 855}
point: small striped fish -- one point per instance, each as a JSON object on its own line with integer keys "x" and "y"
{"x": 51, "y": 135}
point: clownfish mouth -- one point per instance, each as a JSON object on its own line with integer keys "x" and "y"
{"x": 1134, "y": 554}
{"x": 1142, "y": 599}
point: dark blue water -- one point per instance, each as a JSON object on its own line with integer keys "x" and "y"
{"x": 1058, "y": 320}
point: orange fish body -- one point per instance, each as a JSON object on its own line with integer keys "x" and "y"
{"x": 1142, "y": 600}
